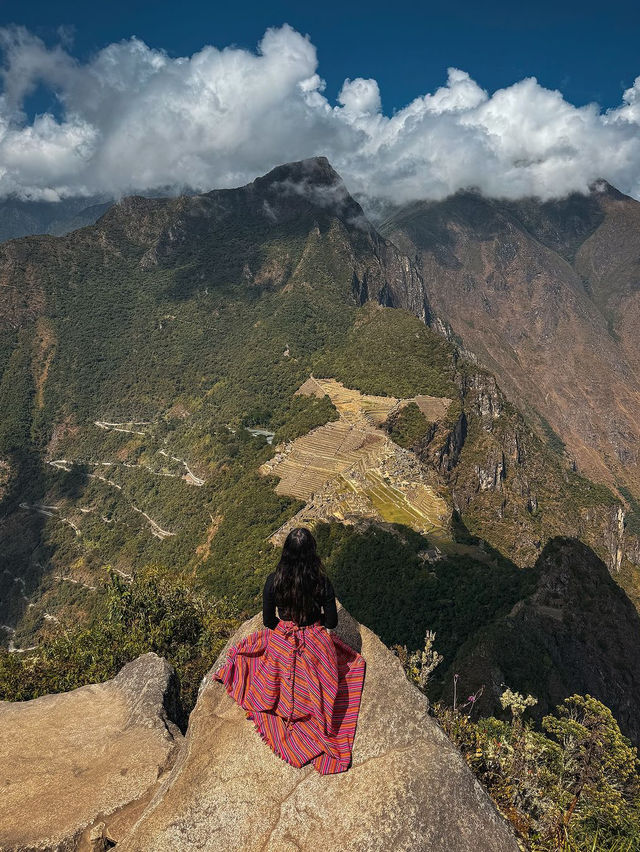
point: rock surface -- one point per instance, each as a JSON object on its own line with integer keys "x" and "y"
{"x": 408, "y": 789}
{"x": 72, "y": 759}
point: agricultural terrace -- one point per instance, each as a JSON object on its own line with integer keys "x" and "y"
{"x": 350, "y": 469}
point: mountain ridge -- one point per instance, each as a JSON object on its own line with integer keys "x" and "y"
{"x": 546, "y": 308}
{"x": 137, "y": 353}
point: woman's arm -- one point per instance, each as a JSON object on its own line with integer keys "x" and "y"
{"x": 269, "y": 616}
{"x": 329, "y": 606}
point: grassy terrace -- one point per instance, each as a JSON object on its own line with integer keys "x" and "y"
{"x": 351, "y": 468}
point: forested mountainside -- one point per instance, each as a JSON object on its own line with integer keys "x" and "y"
{"x": 545, "y": 294}
{"x": 187, "y": 376}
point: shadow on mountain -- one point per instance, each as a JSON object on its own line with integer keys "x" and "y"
{"x": 22, "y": 554}
{"x": 578, "y": 632}
{"x": 397, "y": 583}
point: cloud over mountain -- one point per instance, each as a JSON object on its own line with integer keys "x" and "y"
{"x": 133, "y": 118}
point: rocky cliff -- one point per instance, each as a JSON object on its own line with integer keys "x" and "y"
{"x": 545, "y": 294}
{"x": 77, "y": 762}
{"x": 578, "y": 632}
{"x": 509, "y": 487}
{"x": 408, "y": 789}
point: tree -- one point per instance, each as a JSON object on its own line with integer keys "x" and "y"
{"x": 599, "y": 783}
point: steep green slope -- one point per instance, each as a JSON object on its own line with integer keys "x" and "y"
{"x": 152, "y": 339}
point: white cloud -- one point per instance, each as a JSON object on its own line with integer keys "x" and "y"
{"x": 360, "y": 96}
{"x": 133, "y": 118}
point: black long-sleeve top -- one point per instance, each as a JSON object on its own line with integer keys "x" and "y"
{"x": 324, "y": 610}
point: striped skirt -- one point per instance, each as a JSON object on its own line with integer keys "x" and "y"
{"x": 301, "y": 687}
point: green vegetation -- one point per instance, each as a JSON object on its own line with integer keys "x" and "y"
{"x": 154, "y": 612}
{"x": 16, "y": 395}
{"x": 632, "y": 516}
{"x": 554, "y": 441}
{"x": 391, "y": 353}
{"x": 587, "y": 493}
{"x": 383, "y": 578}
{"x": 408, "y": 426}
{"x": 574, "y": 788}
{"x": 302, "y": 415}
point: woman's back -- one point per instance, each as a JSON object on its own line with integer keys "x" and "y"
{"x": 299, "y": 587}
{"x": 299, "y": 683}
{"x": 323, "y": 609}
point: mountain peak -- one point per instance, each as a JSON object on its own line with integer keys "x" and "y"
{"x": 313, "y": 180}
{"x": 602, "y": 187}
{"x": 304, "y": 187}
{"x": 315, "y": 171}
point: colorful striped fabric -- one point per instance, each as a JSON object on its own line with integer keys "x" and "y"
{"x": 301, "y": 687}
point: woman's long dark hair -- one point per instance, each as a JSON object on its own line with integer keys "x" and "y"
{"x": 299, "y": 580}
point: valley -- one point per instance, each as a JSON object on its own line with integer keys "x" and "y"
{"x": 186, "y": 379}
{"x": 319, "y": 428}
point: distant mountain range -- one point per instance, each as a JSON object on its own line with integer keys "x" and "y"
{"x": 473, "y": 362}
{"x": 542, "y": 293}
{"x": 20, "y": 218}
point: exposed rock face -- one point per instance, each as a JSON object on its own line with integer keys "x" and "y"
{"x": 408, "y": 789}
{"x": 511, "y": 488}
{"x": 71, "y": 758}
{"x": 546, "y": 295}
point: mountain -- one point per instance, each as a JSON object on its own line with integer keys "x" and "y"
{"x": 188, "y": 376}
{"x": 22, "y": 217}
{"x": 135, "y": 351}
{"x": 576, "y": 632}
{"x": 19, "y": 218}
{"x": 545, "y": 295}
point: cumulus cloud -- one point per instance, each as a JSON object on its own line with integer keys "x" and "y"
{"x": 133, "y": 119}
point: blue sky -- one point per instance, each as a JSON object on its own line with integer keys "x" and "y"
{"x": 408, "y": 100}
{"x": 590, "y": 51}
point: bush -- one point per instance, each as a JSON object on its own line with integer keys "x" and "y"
{"x": 573, "y": 788}
{"x": 153, "y": 612}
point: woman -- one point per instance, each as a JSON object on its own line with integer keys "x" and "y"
{"x": 298, "y": 683}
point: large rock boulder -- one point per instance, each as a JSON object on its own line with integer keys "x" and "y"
{"x": 71, "y": 760}
{"x": 408, "y": 788}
